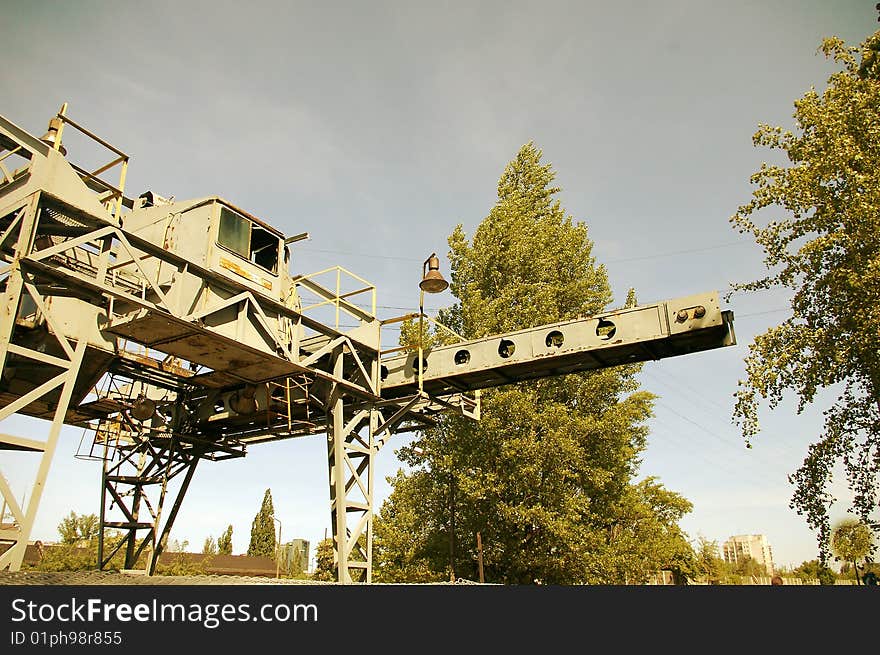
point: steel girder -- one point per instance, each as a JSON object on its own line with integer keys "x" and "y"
{"x": 144, "y": 466}
{"x": 21, "y": 285}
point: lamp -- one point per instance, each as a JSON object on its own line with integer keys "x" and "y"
{"x": 52, "y": 137}
{"x": 243, "y": 401}
{"x": 432, "y": 280}
{"x": 143, "y": 408}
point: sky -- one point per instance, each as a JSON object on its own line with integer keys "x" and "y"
{"x": 378, "y": 127}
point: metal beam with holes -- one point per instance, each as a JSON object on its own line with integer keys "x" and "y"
{"x": 665, "y": 329}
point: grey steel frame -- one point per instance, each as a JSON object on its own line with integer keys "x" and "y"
{"x": 364, "y": 397}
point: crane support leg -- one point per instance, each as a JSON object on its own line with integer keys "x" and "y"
{"x": 350, "y": 459}
{"x": 20, "y": 286}
{"x": 143, "y": 469}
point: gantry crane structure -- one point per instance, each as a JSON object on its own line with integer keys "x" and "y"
{"x": 173, "y": 332}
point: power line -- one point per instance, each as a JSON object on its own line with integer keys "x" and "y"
{"x": 716, "y": 464}
{"x": 776, "y": 452}
{"x": 357, "y": 254}
{"x": 769, "y": 311}
{"x": 658, "y": 255}
{"x": 678, "y": 252}
{"x": 679, "y": 384}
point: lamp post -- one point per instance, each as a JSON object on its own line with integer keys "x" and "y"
{"x": 451, "y": 483}
{"x": 480, "y": 555}
{"x": 451, "y": 525}
{"x": 432, "y": 282}
{"x": 278, "y": 550}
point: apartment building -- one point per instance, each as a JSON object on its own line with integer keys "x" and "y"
{"x": 754, "y": 546}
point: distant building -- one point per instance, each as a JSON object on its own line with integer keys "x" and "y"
{"x": 295, "y": 556}
{"x": 753, "y": 546}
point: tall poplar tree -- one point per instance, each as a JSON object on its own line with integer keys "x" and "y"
{"x": 224, "y": 541}
{"x": 263, "y": 529}
{"x": 546, "y": 475}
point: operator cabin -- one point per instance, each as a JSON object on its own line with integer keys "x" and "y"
{"x": 215, "y": 234}
{"x": 226, "y": 243}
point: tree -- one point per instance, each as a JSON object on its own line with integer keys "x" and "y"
{"x": 224, "y": 542}
{"x": 263, "y": 529}
{"x": 325, "y": 565}
{"x": 823, "y": 244}
{"x": 710, "y": 566}
{"x": 747, "y": 567}
{"x": 815, "y": 570}
{"x": 852, "y": 541}
{"x": 78, "y": 550}
{"x": 75, "y": 528}
{"x": 646, "y": 537}
{"x": 546, "y": 475}
{"x": 410, "y": 538}
{"x": 210, "y": 546}
{"x": 180, "y": 563}
{"x": 296, "y": 565}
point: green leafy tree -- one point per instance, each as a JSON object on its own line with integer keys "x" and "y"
{"x": 210, "y": 546}
{"x": 296, "y": 565}
{"x": 411, "y": 539}
{"x": 81, "y": 554}
{"x": 75, "y": 528}
{"x": 263, "y": 529}
{"x": 821, "y": 240}
{"x": 815, "y": 570}
{"x": 325, "y": 565}
{"x": 748, "y": 567}
{"x": 546, "y": 475}
{"x": 645, "y": 536}
{"x": 710, "y": 566}
{"x": 826, "y": 575}
{"x": 224, "y": 542}
{"x": 852, "y": 541}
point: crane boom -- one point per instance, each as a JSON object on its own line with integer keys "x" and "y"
{"x": 649, "y": 332}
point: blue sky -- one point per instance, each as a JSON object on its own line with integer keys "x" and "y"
{"x": 377, "y": 127}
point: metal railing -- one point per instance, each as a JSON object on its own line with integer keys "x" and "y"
{"x": 112, "y": 195}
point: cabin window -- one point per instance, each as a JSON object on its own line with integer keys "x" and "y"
{"x": 264, "y": 248}
{"x": 248, "y": 240}
{"x": 235, "y": 232}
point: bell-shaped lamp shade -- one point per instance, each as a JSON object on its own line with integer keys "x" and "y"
{"x": 51, "y": 135}
{"x": 143, "y": 408}
{"x": 243, "y": 401}
{"x": 432, "y": 280}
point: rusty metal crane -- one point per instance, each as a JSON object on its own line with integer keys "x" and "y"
{"x": 175, "y": 332}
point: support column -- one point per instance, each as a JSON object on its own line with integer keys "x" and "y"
{"x": 350, "y": 458}
{"x": 152, "y": 466}
{"x": 18, "y": 286}
{"x": 14, "y": 556}
{"x": 336, "y": 446}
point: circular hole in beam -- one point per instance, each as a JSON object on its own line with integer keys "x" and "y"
{"x": 605, "y": 329}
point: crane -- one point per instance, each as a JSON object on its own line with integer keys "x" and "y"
{"x": 175, "y": 332}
